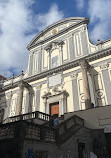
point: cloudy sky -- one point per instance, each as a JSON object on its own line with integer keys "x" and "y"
{"x": 21, "y": 20}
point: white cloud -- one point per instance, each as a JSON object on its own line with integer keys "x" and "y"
{"x": 100, "y": 15}
{"x": 80, "y": 4}
{"x": 16, "y": 30}
{"x": 53, "y": 15}
{"x": 14, "y": 24}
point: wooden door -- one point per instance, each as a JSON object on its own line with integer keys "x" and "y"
{"x": 54, "y": 108}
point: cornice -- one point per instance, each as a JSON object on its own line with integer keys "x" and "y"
{"x": 72, "y": 64}
{"x": 99, "y": 54}
{"x": 31, "y": 45}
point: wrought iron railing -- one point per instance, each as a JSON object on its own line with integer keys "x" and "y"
{"x": 28, "y": 116}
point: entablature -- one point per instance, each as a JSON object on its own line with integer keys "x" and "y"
{"x": 91, "y": 57}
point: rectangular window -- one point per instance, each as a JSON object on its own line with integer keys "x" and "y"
{"x": 55, "y": 61}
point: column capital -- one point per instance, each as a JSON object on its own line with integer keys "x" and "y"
{"x": 38, "y": 87}
{"x": 84, "y": 64}
{"x": 21, "y": 85}
{"x": 74, "y": 76}
{"x": 104, "y": 66}
{"x": 48, "y": 49}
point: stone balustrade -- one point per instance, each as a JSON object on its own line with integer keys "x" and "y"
{"x": 29, "y": 116}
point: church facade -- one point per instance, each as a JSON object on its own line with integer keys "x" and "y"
{"x": 67, "y": 75}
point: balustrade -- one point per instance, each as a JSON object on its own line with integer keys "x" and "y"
{"x": 31, "y": 131}
{"x": 28, "y": 116}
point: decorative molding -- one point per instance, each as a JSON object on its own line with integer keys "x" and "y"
{"x": 99, "y": 93}
{"x": 38, "y": 87}
{"x": 74, "y": 76}
{"x": 55, "y": 92}
{"x": 104, "y": 66}
{"x": 53, "y": 45}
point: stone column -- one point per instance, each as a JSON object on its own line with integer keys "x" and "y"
{"x": 20, "y": 99}
{"x": 84, "y": 67}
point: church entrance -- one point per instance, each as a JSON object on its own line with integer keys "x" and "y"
{"x": 54, "y": 108}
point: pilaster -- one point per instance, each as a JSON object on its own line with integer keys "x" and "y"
{"x": 75, "y": 92}
{"x": 49, "y": 59}
{"x": 20, "y": 98}
{"x": 106, "y": 80}
{"x": 37, "y": 98}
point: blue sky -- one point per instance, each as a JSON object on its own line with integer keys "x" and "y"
{"x": 21, "y": 20}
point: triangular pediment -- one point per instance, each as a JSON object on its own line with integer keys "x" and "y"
{"x": 57, "y": 28}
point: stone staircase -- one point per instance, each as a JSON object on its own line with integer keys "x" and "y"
{"x": 28, "y": 128}
{"x": 67, "y": 128}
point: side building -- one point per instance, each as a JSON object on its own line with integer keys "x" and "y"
{"x": 69, "y": 76}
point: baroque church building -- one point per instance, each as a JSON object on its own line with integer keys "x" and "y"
{"x": 69, "y": 76}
